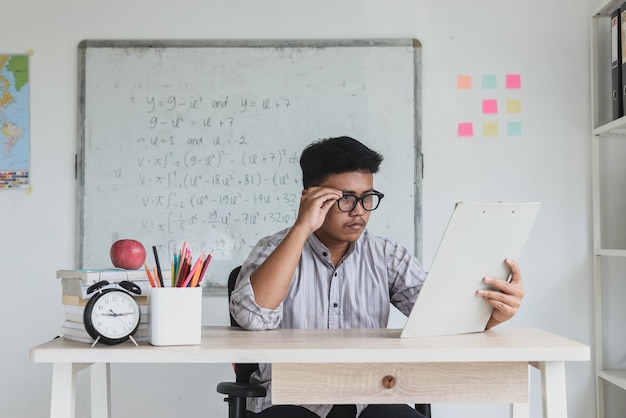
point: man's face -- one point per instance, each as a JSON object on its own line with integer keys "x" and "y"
{"x": 343, "y": 227}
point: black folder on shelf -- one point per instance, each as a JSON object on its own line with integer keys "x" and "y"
{"x": 622, "y": 40}
{"x": 616, "y": 65}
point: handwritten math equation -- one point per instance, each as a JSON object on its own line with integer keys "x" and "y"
{"x": 196, "y": 170}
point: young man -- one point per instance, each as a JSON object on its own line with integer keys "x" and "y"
{"x": 326, "y": 271}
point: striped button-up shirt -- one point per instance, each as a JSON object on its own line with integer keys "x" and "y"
{"x": 357, "y": 293}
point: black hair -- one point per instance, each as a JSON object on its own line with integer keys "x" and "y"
{"x": 335, "y": 156}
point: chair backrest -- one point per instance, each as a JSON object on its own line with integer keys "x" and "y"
{"x": 242, "y": 370}
{"x": 232, "y": 279}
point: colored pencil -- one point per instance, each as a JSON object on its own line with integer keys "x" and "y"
{"x": 149, "y": 275}
{"x": 157, "y": 282}
{"x": 204, "y": 267}
{"x": 158, "y": 265}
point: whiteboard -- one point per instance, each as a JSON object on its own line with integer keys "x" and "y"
{"x": 199, "y": 141}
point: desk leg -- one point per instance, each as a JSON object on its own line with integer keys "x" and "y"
{"x": 100, "y": 374}
{"x": 521, "y": 410}
{"x": 553, "y": 389}
{"x": 63, "y": 393}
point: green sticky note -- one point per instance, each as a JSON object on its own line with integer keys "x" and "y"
{"x": 514, "y": 128}
{"x": 489, "y": 82}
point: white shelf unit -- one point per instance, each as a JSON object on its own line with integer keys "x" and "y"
{"x": 603, "y": 129}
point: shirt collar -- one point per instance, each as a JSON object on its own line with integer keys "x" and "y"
{"x": 322, "y": 251}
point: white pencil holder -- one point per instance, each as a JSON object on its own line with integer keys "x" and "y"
{"x": 175, "y": 316}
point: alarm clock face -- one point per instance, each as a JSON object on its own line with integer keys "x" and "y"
{"x": 112, "y": 315}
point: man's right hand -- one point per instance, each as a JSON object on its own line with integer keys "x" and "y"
{"x": 315, "y": 203}
{"x": 271, "y": 280}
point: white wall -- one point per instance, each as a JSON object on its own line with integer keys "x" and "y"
{"x": 546, "y": 42}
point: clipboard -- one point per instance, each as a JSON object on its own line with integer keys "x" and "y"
{"x": 478, "y": 238}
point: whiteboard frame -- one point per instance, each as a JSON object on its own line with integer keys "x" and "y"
{"x": 85, "y": 45}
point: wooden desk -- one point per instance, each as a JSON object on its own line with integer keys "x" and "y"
{"x": 344, "y": 366}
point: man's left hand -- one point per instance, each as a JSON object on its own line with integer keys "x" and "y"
{"x": 506, "y": 296}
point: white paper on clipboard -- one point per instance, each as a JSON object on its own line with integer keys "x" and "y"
{"x": 478, "y": 238}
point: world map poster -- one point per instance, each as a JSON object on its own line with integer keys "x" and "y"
{"x": 14, "y": 122}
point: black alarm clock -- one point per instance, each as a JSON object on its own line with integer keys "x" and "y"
{"x": 112, "y": 315}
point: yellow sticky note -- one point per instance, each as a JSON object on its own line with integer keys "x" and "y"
{"x": 490, "y": 129}
{"x": 513, "y": 106}
{"x": 464, "y": 82}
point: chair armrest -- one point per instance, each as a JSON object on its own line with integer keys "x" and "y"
{"x": 424, "y": 409}
{"x": 245, "y": 390}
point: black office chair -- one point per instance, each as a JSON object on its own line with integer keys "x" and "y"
{"x": 241, "y": 389}
{"x": 423, "y": 408}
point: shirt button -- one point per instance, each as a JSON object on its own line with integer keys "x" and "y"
{"x": 335, "y": 305}
{"x": 324, "y": 253}
{"x": 335, "y": 274}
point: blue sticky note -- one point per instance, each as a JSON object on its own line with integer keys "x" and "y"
{"x": 514, "y": 128}
{"x": 489, "y": 82}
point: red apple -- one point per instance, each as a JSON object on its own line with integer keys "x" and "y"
{"x": 128, "y": 254}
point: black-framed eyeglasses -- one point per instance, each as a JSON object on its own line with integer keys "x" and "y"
{"x": 369, "y": 201}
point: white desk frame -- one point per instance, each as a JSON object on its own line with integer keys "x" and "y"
{"x": 482, "y": 367}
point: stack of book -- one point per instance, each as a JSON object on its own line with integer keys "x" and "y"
{"x": 74, "y": 285}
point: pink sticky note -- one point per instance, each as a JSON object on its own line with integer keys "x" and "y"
{"x": 490, "y": 106}
{"x": 513, "y": 81}
{"x": 464, "y": 82}
{"x": 465, "y": 129}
